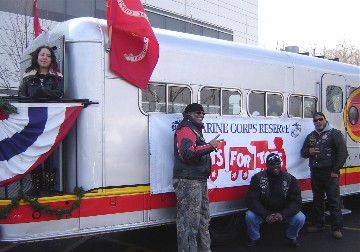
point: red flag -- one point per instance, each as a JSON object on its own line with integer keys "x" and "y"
{"x": 134, "y": 49}
{"x": 37, "y": 27}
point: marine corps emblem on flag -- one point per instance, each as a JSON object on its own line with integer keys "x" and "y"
{"x": 134, "y": 49}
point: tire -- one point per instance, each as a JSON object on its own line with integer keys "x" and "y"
{"x": 226, "y": 229}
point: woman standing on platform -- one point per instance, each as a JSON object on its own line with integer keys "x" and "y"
{"x": 42, "y": 78}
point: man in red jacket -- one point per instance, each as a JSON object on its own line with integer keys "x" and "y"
{"x": 192, "y": 166}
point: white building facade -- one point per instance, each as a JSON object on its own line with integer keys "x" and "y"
{"x": 236, "y": 17}
{"x": 234, "y": 20}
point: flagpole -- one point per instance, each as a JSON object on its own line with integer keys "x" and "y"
{"x": 134, "y": 49}
{"x": 26, "y": 30}
{"x": 37, "y": 26}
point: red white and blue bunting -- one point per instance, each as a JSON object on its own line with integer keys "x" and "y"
{"x": 30, "y": 136}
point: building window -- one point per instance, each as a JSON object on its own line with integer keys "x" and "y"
{"x": 169, "y": 21}
{"x": 60, "y": 11}
{"x": 193, "y": 29}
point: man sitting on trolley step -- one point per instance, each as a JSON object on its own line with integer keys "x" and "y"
{"x": 274, "y": 196}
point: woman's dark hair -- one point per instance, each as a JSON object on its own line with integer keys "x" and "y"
{"x": 34, "y": 60}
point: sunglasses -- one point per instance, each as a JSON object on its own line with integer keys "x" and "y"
{"x": 274, "y": 163}
{"x": 199, "y": 113}
{"x": 319, "y": 119}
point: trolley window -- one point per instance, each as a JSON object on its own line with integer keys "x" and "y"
{"x": 309, "y": 106}
{"x": 165, "y": 98}
{"x": 301, "y": 106}
{"x": 262, "y": 103}
{"x": 295, "y": 106}
{"x": 230, "y": 102}
{"x": 153, "y": 98}
{"x": 274, "y": 105}
{"x": 353, "y": 115}
{"x": 216, "y": 100}
{"x": 256, "y": 105}
{"x": 210, "y": 100}
{"x": 334, "y": 99}
{"x": 179, "y": 98}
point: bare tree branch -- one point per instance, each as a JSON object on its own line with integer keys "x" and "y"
{"x": 13, "y": 43}
{"x": 344, "y": 51}
{"x": 15, "y": 36}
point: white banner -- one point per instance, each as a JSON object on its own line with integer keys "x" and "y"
{"x": 245, "y": 146}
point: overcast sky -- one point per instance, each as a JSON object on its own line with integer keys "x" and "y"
{"x": 308, "y": 23}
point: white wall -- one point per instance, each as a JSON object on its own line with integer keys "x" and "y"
{"x": 241, "y": 16}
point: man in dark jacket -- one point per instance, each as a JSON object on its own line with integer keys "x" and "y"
{"x": 192, "y": 165}
{"x": 326, "y": 149}
{"x": 274, "y": 196}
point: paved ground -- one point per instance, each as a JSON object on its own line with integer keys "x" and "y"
{"x": 273, "y": 236}
{"x": 163, "y": 239}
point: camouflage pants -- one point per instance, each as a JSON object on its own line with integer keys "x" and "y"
{"x": 192, "y": 220}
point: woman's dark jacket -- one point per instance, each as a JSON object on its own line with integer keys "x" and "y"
{"x": 270, "y": 194}
{"x": 333, "y": 152}
{"x": 52, "y": 86}
{"x": 192, "y": 153}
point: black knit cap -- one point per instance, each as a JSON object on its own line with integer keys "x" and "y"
{"x": 272, "y": 157}
{"x": 193, "y": 107}
{"x": 319, "y": 114}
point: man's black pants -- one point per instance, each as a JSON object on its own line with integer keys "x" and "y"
{"x": 330, "y": 188}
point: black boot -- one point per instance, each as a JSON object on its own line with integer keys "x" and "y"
{"x": 50, "y": 182}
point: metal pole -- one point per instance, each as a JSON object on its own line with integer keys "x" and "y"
{"x": 26, "y": 32}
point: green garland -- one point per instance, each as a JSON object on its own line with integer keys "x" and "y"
{"x": 6, "y": 107}
{"x": 4, "y": 212}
